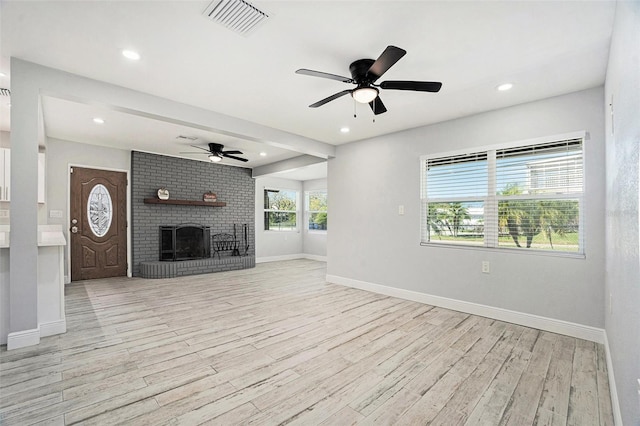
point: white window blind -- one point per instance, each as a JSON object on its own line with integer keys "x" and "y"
{"x": 523, "y": 197}
{"x": 456, "y": 187}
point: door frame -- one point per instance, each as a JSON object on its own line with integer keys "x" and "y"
{"x": 67, "y": 278}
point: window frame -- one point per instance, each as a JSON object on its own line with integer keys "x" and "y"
{"x": 296, "y": 211}
{"x": 492, "y": 199}
{"x": 308, "y": 212}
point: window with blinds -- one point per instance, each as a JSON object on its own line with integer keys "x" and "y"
{"x": 523, "y": 197}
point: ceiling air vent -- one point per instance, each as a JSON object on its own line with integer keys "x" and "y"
{"x": 5, "y": 92}
{"x": 237, "y": 15}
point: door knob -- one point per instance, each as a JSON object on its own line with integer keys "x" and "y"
{"x": 74, "y": 229}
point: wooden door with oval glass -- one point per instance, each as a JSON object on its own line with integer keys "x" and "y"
{"x": 98, "y": 227}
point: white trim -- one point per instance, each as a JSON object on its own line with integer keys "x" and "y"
{"x": 291, "y": 257}
{"x": 529, "y": 320}
{"x": 279, "y": 258}
{"x": 52, "y": 328}
{"x": 315, "y": 257}
{"x": 615, "y": 403}
{"x": 21, "y": 339}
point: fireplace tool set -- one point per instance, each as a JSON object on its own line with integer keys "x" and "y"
{"x": 227, "y": 242}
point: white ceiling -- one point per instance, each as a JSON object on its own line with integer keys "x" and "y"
{"x": 545, "y": 48}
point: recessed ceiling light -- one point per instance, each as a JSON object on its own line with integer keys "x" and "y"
{"x": 131, "y": 54}
{"x": 263, "y": 154}
{"x": 98, "y": 120}
{"x": 344, "y": 129}
{"x": 504, "y": 87}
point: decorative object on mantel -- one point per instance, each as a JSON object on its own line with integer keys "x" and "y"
{"x": 209, "y": 197}
{"x": 163, "y": 193}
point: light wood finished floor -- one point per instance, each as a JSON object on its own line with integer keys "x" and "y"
{"x": 278, "y": 345}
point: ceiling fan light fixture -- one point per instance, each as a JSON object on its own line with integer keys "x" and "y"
{"x": 215, "y": 158}
{"x": 365, "y": 94}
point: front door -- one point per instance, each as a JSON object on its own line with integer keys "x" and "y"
{"x": 98, "y": 225}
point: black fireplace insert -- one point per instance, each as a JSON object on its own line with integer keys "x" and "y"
{"x": 185, "y": 242}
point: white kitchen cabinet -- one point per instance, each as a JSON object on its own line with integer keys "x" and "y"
{"x": 41, "y": 175}
{"x": 5, "y": 175}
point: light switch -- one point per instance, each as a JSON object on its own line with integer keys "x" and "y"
{"x": 55, "y": 213}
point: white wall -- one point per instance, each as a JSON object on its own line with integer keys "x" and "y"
{"x": 622, "y": 323}
{"x": 273, "y": 245}
{"x": 314, "y": 243}
{"x": 61, "y": 154}
{"x": 370, "y": 242}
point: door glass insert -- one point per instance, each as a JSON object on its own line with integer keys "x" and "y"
{"x": 99, "y": 210}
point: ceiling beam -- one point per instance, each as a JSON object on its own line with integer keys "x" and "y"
{"x": 64, "y": 85}
{"x": 286, "y": 165}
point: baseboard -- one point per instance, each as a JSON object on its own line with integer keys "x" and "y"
{"x": 53, "y": 327}
{"x": 613, "y": 390}
{"x": 291, "y": 257}
{"x": 279, "y": 258}
{"x": 315, "y": 257}
{"x": 534, "y": 321}
{"x": 21, "y": 339}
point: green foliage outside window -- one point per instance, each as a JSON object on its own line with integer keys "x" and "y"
{"x": 280, "y": 210}
{"x": 317, "y": 210}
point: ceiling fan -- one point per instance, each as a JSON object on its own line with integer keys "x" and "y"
{"x": 215, "y": 152}
{"x": 364, "y": 73}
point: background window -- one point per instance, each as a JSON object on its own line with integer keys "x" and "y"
{"x": 524, "y": 197}
{"x": 316, "y": 206}
{"x": 280, "y": 210}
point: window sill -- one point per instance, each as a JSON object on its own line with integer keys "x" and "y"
{"x": 526, "y": 252}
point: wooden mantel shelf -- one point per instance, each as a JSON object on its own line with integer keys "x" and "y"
{"x": 185, "y": 202}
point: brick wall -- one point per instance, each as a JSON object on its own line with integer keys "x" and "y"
{"x": 186, "y": 180}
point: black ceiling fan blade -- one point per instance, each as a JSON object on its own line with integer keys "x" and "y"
{"x": 377, "y": 106}
{"x": 234, "y": 157}
{"x": 329, "y": 99}
{"x": 191, "y": 152}
{"x": 199, "y": 147}
{"x": 232, "y": 152}
{"x": 418, "y": 86}
{"x": 389, "y": 57}
{"x": 321, "y": 74}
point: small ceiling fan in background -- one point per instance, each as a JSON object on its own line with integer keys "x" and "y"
{"x": 364, "y": 73}
{"x": 216, "y": 153}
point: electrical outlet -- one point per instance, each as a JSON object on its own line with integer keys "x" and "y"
{"x": 4, "y": 213}
{"x": 55, "y": 213}
{"x": 486, "y": 267}
{"x": 401, "y": 210}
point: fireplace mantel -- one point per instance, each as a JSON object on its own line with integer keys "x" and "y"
{"x": 185, "y": 202}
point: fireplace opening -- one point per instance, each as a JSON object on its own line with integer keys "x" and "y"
{"x": 184, "y": 242}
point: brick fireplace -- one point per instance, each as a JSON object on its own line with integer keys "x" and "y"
{"x": 188, "y": 180}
